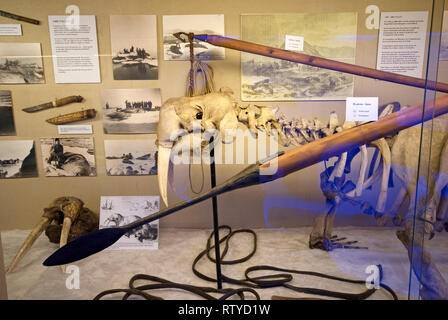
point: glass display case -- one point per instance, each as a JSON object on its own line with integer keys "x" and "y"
{"x": 225, "y": 150}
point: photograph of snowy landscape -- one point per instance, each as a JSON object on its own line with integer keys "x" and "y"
{"x": 174, "y": 49}
{"x": 131, "y": 157}
{"x": 327, "y": 35}
{"x": 134, "y": 47}
{"x": 130, "y": 110}
{"x": 21, "y": 63}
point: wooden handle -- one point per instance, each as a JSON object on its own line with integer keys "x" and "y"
{"x": 67, "y": 100}
{"x": 321, "y": 62}
{"x": 319, "y": 150}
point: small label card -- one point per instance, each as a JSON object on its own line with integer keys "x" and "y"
{"x": 361, "y": 109}
{"x": 10, "y": 29}
{"x": 294, "y": 43}
{"x": 75, "y": 129}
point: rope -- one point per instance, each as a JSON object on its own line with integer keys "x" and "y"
{"x": 198, "y": 68}
{"x": 249, "y": 283}
{"x": 191, "y": 180}
{"x": 206, "y": 71}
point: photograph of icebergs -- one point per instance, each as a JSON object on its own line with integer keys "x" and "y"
{"x": 7, "y": 127}
{"x": 327, "y": 35}
{"x": 17, "y": 159}
{"x": 131, "y": 157}
{"x": 134, "y": 47}
{"x": 130, "y": 110}
{"x": 174, "y": 49}
{"x": 21, "y": 63}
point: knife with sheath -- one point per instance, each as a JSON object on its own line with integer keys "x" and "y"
{"x": 54, "y": 104}
{"x": 72, "y": 117}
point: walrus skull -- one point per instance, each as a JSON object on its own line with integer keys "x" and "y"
{"x": 199, "y": 117}
{"x": 180, "y": 116}
{"x": 76, "y": 220}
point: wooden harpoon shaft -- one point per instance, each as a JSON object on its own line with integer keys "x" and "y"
{"x": 314, "y": 61}
{"x": 322, "y": 149}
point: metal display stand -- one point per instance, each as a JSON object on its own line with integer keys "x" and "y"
{"x": 215, "y": 215}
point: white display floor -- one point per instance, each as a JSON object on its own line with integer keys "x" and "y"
{"x": 285, "y": 248}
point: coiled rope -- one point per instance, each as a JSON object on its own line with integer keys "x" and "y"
{"x": 249, "y": 283}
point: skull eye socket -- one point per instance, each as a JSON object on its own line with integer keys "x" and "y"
{"x": 199, "y": 115}
{"x": 60, "y": 217}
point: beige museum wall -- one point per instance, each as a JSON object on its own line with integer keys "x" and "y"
{"x": 3, "y": 290}
{"x": 22, "y": 200}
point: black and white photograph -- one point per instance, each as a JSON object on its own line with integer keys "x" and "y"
{"x": 134, "y": 47}
{"x": 17, "y": 159}
{"x": 131, "y": 157}
{"x": 68, "y": 157}
{"x": 21, "y": 63}
{"x": 130, "y": 110}
{"x": 327, "y": 35}
{"x": 118, "y": 211}
{"x": 7, "y": 127}
{"x": 174, "y": 49}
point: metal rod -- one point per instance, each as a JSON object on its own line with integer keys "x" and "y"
{"x": 215, "y": 215}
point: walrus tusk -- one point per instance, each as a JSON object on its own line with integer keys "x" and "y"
{"x": 64, "y": 235}
{"x": 163, "y": 164}
{"x": 29, "y": 241}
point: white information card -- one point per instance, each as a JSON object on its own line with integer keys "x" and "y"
{"x": 10, "y": 29}
{"x": 75, "y": 50}
{"x": 75, "y": 129}
{"x": 401, "y": 44}
{"x": 361, "y": 109}
{"x": 294, "y": 43}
